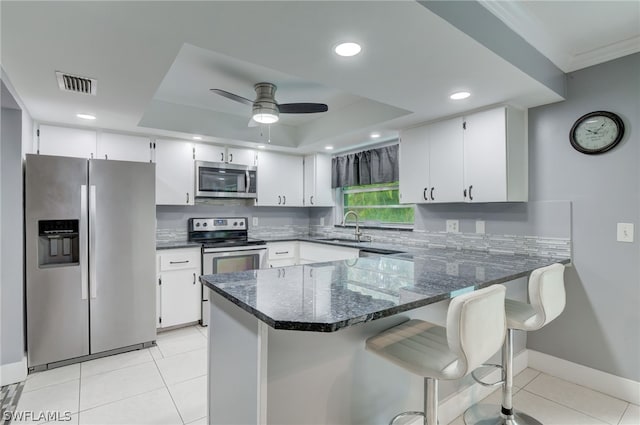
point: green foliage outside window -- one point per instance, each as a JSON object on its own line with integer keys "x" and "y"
{"x": 377, "y": 204}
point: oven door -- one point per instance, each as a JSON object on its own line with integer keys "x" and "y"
{"x": 221, "y": 180}
{"x": 228, "y": 260}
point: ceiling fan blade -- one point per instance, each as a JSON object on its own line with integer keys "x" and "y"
{"x": 302, "y": 108}
{"x": 232, "y": 96}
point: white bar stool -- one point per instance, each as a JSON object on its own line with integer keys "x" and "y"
{"x": 475, "y": 331}
{"x": 547, "y": 301}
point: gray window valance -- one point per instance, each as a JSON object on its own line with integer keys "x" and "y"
{"x": 367, "y": 167}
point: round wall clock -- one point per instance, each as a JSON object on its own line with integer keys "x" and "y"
{"x": 596, "y": 132}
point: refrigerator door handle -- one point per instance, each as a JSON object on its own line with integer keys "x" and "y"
{"x": 84, "y": 284}
{"x": 92, "y": 242}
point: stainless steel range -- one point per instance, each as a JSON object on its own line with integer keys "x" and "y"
{"x": 226, "y": 248}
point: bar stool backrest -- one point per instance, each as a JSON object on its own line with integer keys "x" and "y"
{"x": 476, "y": 327}
{"x": 546, "y": 294}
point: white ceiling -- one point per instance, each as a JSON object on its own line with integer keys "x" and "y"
{"x": 155, "y": 63}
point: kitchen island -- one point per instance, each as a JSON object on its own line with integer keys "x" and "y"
{"x": 286, "y": 345}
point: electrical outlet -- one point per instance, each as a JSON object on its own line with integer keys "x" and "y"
{"x": 452, "y": 226}
{"x": 625, "y": 232}
{"x": 480, "y": 227}
{"x": 255, "y": 221}
{"x": 321, "y": 221}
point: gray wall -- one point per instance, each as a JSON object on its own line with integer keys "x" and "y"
{"x": 11, "y": 283}
{"x": 599, "y": 327}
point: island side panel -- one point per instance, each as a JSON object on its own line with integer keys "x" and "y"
{"x": 233, "y": 365}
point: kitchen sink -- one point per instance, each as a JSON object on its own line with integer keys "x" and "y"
{"x": 342, "y": 240}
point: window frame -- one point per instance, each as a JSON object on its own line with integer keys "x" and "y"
{"x": 340, "y": 192}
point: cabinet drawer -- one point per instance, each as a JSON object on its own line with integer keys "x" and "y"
{"x": 177, "y": 260}
{"x": 282, "y": 250}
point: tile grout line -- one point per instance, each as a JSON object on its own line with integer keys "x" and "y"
{"x": 568, "y": 407}
{"x": 623, "y": 413}
{"x": 169, "y": 391}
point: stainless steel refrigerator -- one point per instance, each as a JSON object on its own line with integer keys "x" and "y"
{"x": 90, "y": 256}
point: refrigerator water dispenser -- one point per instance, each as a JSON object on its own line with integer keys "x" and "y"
{"x": 58, "y": 243}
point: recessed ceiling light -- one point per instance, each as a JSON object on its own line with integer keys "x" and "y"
{"x": 460, "y": 95}
{"x": 348, "y": 49}
{"x": 375, "y": 135}
{"x": 328, "y": 147}
{"x": 86, "y": 116}
{"x": 260, "y": 146}
{"x": 197, "y": 137}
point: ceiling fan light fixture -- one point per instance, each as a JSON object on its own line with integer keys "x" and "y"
{"x": 347, "y": 49}
{"x": 265, "y": 117}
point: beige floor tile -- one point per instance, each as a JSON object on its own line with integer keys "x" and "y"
{"x": 51, "y": 377}
{"x": 151, "y": 408}
{"x": 73, "y": 421}
{"x": 593, "y": 403}
{"x": 183, "y": 367}
{"x": 115, "y": 362}
{"x": 549, "y": 412}
{"x": 631, "y": 416}
{"x": 204, "y": 330}
{"x": 119, "y": 384}
{"x": 176, "y": 345}
{"x": 156, "y": 353}
{"x": 457, "y": 421}
{"x": 59, "y": 398}
{"x": 525, "y": 377}
{"x": 191, "y": 398}
{"x": 177, "y": 333}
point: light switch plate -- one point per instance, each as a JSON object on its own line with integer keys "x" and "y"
{"x": 255, "y": 221}
{"x": 453, "y": 226}
{"x": 480, "y": 227}
{"x": 625, "y": 232}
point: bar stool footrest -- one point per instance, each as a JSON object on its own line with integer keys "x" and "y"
{"x": 490, "y": 414}
{"x": 488, "y": 384}
{"x": 403, "y": 414}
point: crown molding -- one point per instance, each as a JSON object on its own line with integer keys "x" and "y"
{"x": 604, "y": 53}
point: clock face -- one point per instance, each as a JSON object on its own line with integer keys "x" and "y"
{"x": 596, "y": 132}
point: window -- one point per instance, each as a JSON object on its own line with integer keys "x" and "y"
{"x": 376, "y": 205}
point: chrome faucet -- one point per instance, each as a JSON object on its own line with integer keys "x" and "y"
{"x": 344, "y": 221}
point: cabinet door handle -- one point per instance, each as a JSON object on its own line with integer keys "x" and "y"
{"x": 432, "y": 198}
{"x": 281, "y": 252}
{"x": 470, "y": 197}
{"x": 311, "y": 199}
{"x": 179, "y": 262}
{"x": 310, "y": 272}
{"x": 284, "y": 201}
{"x": 284, "y": 272}
{"x": 424, "y": 194}
{"x": 464, "y": 192}
{"x": 194, "y": 278}
{"x": 222, "y": 156}
{"x": 279, "y": 200}
{"x": 279, "y": 273}
{"x": 187, "y": 197}
{"x": 230, "y": 157}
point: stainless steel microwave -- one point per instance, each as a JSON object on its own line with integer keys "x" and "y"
{"x": 222, "y": 180}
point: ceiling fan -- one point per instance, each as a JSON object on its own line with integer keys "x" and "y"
{"x": 265, "y": 108}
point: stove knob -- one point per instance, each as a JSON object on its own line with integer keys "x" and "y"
{"x": 204, "y": 224}
{"x": 198, "y": 224}
{"x": 235, "y": 223}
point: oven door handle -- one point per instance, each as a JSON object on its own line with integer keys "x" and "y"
{"x": 247, "y": 181}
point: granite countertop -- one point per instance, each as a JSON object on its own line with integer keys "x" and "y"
{"x": 326, "y": 297}
{"x": 177, "y": 244}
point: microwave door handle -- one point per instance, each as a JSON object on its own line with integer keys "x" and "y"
{"x": 247, "y": 178}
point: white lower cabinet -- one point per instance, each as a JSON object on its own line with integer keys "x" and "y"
{"x": 179, "y": 288}
{"x": 282, "y": 254}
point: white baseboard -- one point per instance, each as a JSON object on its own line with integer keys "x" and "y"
{"x": 13, "y": 372}
{"x": 615, "y": 386}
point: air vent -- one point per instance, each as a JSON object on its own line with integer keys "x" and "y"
{"x": 76, "y": 83}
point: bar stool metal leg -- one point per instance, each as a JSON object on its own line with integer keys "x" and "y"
{"x": 490, "y": 414}
{"x": 430, "y": 413}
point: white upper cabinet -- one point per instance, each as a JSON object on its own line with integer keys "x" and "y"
{"x": 317, "y": 181}
{"x": 211, "y": 153}
{"x": 279, "y": 180}
{"x": 414, "y": 165}
{"x": 122, "y": 147}
{"x": 445, "y": 164}
{"x": 481, "y": 157}
{"x": 63, "y": 141}
{"x": 175, "y": 174}
{"x": 495, "y": 156}
{"x": 241, "y": 156}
